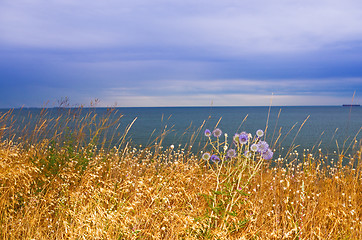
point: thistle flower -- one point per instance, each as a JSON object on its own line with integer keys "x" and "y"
{"x": 236, "y": 138}
{"x": 259, "y": 133}
{"x": 214, "y": 158}
{"x": 254, "y": 147}
{"x": 217, "y": 132}
{"x": 267, "y": 155}
{"x": 231, "y": 153}
{"x": 243, "y": 137}
{"x": 227, "y": 158}
{"x": 263, "y": 146}
{"x": 206, "y": 156}
{"x": 207, "y": 133}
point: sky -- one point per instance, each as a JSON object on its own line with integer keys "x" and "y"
{"x": 141, "y": 53}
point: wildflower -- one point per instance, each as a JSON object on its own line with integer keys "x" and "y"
{"x": 243, "y": 137}
{"x": 259, "y": 133}
{"x": 263, "y": 146}
{"x": 206, "y": 156}
{"x": 225, "y": 148}
{"x": 172, "y": 146}
{"x": 227, "y": 158}
{"x": 247, "y": 154}
{"x": 214, "y": 158}
{"x": 217, "y": 132}
{"x": 231, "y": 153}
{"x": 207, "y": 133}
{"x": 254, "y": 147}
{"x": 236, "y": 138}
{"x": 267, "y": 155}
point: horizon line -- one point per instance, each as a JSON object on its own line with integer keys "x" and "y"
{"x": 199, "y": 106}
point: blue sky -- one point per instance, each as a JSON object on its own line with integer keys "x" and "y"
{"x": 180, "y": 53}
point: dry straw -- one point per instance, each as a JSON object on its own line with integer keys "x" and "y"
{"x": 60, "y": 180}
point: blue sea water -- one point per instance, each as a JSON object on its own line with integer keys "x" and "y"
{"x": 325, "y": 127}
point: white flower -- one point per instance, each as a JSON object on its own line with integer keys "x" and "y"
{"x": 254, "y": 147}
{"x": 259, "y": 133}
{"x": 206, "y": 156}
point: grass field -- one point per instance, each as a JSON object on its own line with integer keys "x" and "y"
{"x": 68, "y": 186}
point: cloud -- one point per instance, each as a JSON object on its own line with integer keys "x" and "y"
{"x": 223, "y": 100}
{"x": 189, "y": 52}
{"x": 222, "y": 27}
{"x": 256, "y": 86}
{"x": 236, "y": 92}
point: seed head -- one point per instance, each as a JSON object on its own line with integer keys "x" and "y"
{"x": 259, "y": 133}
{"x": 206, "y": 156}
{"x": 217, "y": 132}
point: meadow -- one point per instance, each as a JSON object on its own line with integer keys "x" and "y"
{"x": 60, "y": 180}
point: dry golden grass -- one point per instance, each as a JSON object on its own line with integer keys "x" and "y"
{"x": 56, "y": 189}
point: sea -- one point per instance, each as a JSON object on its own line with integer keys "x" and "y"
{"x": 331, "y": 129}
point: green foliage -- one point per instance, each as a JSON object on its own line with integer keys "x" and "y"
{"x": 222, "y": 204}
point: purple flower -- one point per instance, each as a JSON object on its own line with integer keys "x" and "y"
{"x": 214, "y": 158}
{"x": 263, "y": 146}
{"x": 247, "y": 154}
{"x": 207, "y": 133}
{"x": 267, "y": 155}
{"x": 243, "y": 137}
{"x": 254, "y": 147}
{"x": 231, "y": 153}
{"x": 217, "y": 132}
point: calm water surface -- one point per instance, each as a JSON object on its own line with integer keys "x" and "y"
{"x": 324, "y": 126}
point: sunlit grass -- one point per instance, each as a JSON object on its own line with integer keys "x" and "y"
{"x": 58, "y": 182}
